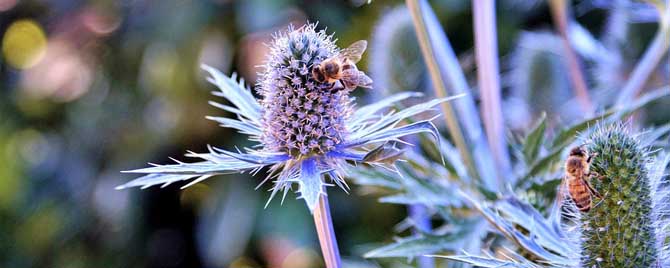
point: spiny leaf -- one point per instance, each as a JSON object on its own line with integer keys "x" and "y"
{"x": 375, "y": 177}
{"x": 418, "y": 245}
{"x": 310, "y": 183}
{"x": 486, "y": 261}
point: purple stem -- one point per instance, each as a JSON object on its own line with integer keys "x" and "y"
{"x": 324, "y": 229}
{"x": 486, "y": 50}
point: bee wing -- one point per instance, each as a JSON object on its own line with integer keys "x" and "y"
{"x": 354, "y": 51}
{"x": 354, "y": 78}
{"x": 364, "y": 80}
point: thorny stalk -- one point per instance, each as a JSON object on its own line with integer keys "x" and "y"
{"x": 486, "y": 50}
{"x": 559, "y": 13}
{"x": 324, "y": 229}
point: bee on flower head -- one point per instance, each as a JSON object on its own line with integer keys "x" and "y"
{"x": 577, "y": 178}
{"x": 342, "y": 67}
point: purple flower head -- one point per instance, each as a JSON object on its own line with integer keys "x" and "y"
{"x": 290, "y": 50}
{"x": 306, "y": 132}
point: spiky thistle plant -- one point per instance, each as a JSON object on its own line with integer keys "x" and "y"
{"x": 527, "y": 217}
{"x": 625, "y": 227}
{"x": 532, "y": 239}
{"x": 307, "y": 132}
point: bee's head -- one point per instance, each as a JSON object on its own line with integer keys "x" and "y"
{"x": 331, "y": 68}
{"x": 578, "y": 151}
{"x": 317, "y": 74}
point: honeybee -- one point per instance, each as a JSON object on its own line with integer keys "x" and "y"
{"x": 342, "y": 68}
{"x": 577, "y": 177}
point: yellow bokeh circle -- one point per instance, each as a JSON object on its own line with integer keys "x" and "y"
{"x": 23, "y": 44}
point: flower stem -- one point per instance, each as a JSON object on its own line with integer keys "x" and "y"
{"x": 559, "y": 13}
{"x": 429, "y": 56}
{"x": 324, "y": 229}
{"x": 652, "y": 56}
{"x": 486, "y": 50}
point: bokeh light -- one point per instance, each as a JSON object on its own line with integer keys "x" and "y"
{"x": 7, "y": 4}
{"x": 24, "y": 44}
{"x": 63, "y": 74}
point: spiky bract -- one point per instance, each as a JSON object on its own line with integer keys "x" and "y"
{"x": 308, "y": 131}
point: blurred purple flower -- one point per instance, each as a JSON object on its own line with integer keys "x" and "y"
{"x": 307, "y": 131}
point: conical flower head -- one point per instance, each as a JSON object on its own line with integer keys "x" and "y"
{"x": 618, "y": 230}
{"x": 300, "y": 116}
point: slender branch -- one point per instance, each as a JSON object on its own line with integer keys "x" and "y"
{"x": 453, "y": 125}
{"x": 486, "y": 51}
{"x": 324, "y": 229}
{"x": 652, "y": 56}
{"x": 559, "y": 13}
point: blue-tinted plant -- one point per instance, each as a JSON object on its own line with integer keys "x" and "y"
{"x": 624, "y": 228}
{"x": 462, "y": 120}
{"x": 396, "y": 65}
{"x": 454, "y": 199}
{"x": 306, "y": 131}
{"x": 537, "y": 72}
{"x": 395, "y": 56}
{"x": 529, "y": 231}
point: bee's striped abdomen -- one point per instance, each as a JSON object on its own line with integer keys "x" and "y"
{"x": 580, "y": 194}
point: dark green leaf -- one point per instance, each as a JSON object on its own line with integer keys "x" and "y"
{"x": 542, "y": 165}
{"x": 534, "y": 140}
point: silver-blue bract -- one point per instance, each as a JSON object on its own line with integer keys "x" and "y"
{"x": 305, "y": 130}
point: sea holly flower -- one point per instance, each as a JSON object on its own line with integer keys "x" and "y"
{"x": 308, "y": 132}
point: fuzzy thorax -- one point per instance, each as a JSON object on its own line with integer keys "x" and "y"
{"x": 300, "y": 116}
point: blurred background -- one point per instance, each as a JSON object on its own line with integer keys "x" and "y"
{"x": 89, "y": 88}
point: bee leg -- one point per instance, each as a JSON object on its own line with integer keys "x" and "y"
{"x": 591, "y": 156}
{"x": 588, "y": 185}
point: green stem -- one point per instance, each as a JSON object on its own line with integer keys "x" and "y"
{"x": 324, "y": 229}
